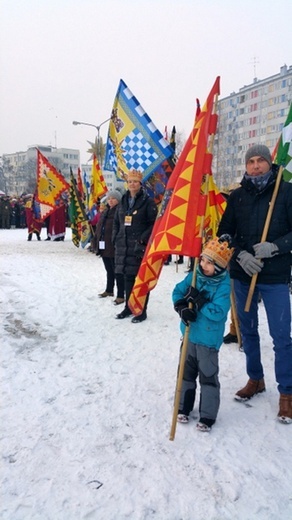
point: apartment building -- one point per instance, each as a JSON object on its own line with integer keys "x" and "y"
{"x": 18, "y": 173}
{"x": 255, "y": 114}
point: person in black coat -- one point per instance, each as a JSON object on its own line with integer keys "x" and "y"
{"x": 244, "y": 219}
{"x": 133, "y": 223}
{"x": 105, "y": 247}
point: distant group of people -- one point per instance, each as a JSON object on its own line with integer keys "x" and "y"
{"x": 12, "y": 212}
{"x": 55, "y": 223}
{"x": 23, "y": 212}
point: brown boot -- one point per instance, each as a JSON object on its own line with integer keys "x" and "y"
{"x": 285, "y": 409}
{"x": 251, "y": 388}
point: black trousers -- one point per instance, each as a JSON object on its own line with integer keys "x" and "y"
{"x": 129, "y": 284}
{"x": 111, "y": 277}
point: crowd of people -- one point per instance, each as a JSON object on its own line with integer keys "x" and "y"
{"x": 12, "y": 212}
{"x": 23, "y": 212}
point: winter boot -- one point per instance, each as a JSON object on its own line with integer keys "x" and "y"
{"x": 182, "y": 418}
{"x": 124, "y": 314}
{"x": 105, "y": 294}
{"x": 285, "y": 409}
{"x": 204, "y": 424}
{"x": 252, "y": 388}
{"x": 230, "y": 338}
{"x": 141, "y": 317}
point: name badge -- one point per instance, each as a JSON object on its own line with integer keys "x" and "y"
{"x": 101, "y": 244}
{"x": 128, "y": 220}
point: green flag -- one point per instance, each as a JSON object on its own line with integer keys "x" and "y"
{"x": 283, "y": 153}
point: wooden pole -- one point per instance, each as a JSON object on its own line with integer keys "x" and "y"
{"x": 264, "y": 236}
{"x": 181, "y": 367}
{"x": 234, "y": 315}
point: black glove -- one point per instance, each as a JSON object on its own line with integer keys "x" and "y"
{"x": 225, "y": 238}
{"x": 192, "y": 294}
{"x": 197, "y": 298}
{"x": 186, "y": 314}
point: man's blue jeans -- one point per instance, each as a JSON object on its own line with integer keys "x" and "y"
{"x": 276, "y": 299}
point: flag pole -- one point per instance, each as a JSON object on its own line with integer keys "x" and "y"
{"x": 181, "y": 368}
{"x": 234, "y": 315}
{"x": 264, "y": 236}
{"x": 186, "y": 334}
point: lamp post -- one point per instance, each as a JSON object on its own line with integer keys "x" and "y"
{"x": 97, "y": 127}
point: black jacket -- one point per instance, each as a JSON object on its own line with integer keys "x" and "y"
{"x": 244, "y": 219}
{"x": 103, "y": 232}
{"x": 130, "y": 241}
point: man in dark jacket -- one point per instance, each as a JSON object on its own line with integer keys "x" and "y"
{"x": 244, "y": 220}
{"x": 133, "y": 223}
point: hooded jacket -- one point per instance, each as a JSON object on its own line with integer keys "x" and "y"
{"x": 208, "y": 329}
{"x": 244, "y": 219}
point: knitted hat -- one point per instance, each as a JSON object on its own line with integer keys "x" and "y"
{"x": 259, "y": 150}
{"x": 114, "y": 194}
{"x": 218, "y": 250}
{"x": 135, "y": 175}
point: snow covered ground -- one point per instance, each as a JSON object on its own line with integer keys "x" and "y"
{"x": 87, "y": 401}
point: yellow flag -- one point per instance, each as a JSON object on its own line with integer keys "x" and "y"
{"x": 98, "y": 186}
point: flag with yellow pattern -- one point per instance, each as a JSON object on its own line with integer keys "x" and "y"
{"x": 50, "y": 185}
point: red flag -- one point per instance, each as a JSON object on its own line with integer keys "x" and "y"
{"x": 183, "y": 206}
{"x": 80, "y": 187}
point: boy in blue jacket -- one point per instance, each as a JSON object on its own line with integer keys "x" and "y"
{"x": 210, "y": 299}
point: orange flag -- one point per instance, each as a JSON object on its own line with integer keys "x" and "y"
{"x": 184, "y": 205}
{"x": 50, "y": 185}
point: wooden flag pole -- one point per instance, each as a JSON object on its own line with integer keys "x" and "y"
{"x": 264, "y": 236}
{"x": 181, "y": 367}
{"x": 234, "y": 315}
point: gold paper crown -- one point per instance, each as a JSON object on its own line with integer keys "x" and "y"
{"x": 219, "y": 252}
{"x": 135, "y": 175}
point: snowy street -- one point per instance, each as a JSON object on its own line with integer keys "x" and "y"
{"x": 87, "y": 401}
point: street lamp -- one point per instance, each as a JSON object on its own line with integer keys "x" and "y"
{"x": 97, "y": 127}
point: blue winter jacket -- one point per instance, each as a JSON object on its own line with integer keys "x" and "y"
{"x": 208, "y": 329}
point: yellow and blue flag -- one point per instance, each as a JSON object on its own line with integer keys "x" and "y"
{"x": 133, "y": 140}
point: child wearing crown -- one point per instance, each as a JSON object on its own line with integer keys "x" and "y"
{"x": 204, "y": 309}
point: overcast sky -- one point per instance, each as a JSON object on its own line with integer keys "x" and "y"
{"x": 62, "y": 60}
